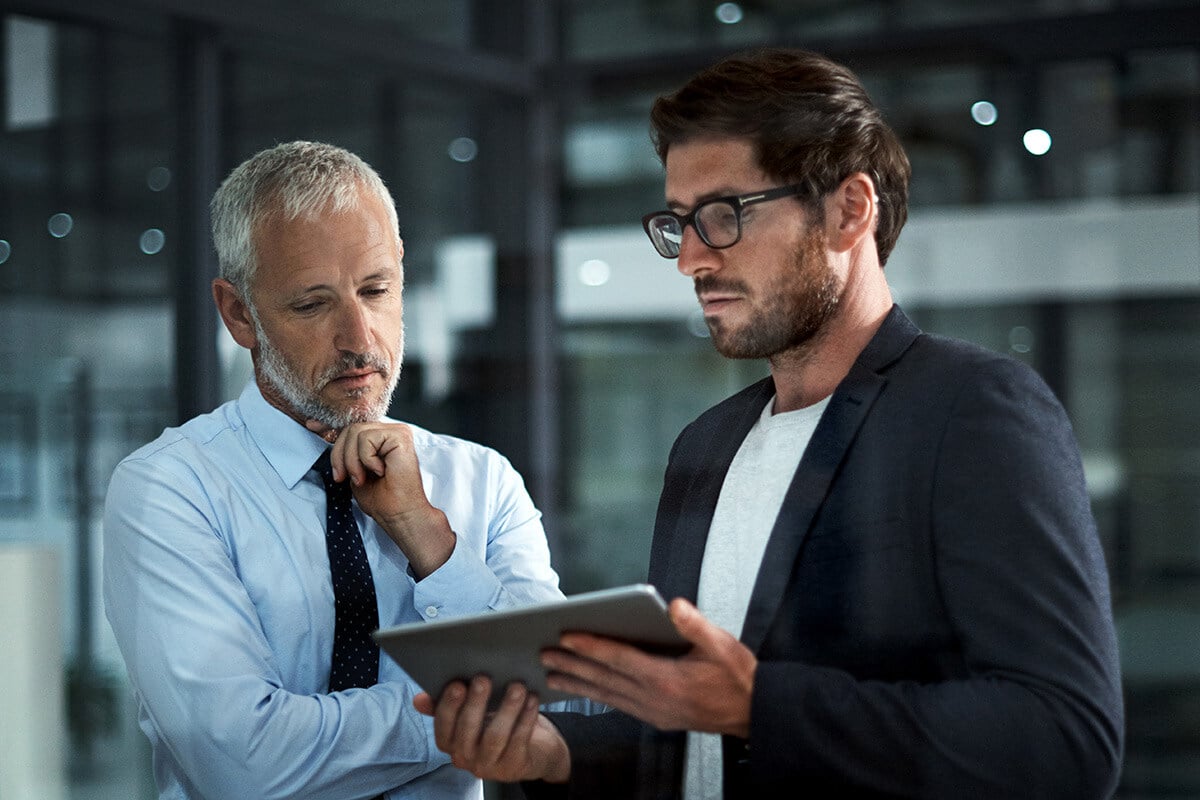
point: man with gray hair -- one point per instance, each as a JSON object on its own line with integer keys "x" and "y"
{"x": 247, "y": 561}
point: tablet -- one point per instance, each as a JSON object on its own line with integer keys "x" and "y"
{"x": 506, "y": 645}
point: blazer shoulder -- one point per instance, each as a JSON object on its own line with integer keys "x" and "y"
{"x": 900, "y": 346}
{"x": 959, "y": 359}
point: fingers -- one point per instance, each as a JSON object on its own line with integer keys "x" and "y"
{"x": 605, "y": 670}
{"x": 469, "y": 723}
{"x": 424, "y": 704}
{"x": 445, "y": 716}
{"x": 696, "y": 628}
{"x": 597, "y": 656}
{"x": 495, "y": 745}
{"x": 708, "y": 689}
{"x": 522, "y": 733}
{"x": 502, "y": 737}
{"x": 321, "y": 429}
{"x": 362, "y": 449}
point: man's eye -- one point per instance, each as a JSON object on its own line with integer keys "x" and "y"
{"x": 306, "y": 308}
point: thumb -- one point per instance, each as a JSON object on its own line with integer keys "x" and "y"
{"x": 321, "y": 429}
{"x": 423, "y": 703}
{"x": 693, "y": 626}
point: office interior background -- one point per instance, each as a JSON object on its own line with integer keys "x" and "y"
{"x": 1055, "y": 216}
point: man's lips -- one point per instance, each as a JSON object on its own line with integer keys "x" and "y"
{"x": 715, "y": 301}
{"x": 354, "y": 378}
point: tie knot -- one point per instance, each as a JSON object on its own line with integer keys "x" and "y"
{"x": 324, "y": 468}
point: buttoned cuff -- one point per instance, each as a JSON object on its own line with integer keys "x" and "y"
{"x": 463, "y": 585}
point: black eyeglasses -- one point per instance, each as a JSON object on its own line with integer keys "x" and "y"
{"x": 718, "y": 221}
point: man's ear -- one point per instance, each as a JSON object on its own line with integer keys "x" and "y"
{"x": 851, "y": 212}
{"x": 234, "y": 313}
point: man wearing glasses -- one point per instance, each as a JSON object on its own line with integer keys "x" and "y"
{"x": 883, "y": 553}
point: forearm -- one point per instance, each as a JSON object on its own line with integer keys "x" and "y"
{"x": 232, "y": 713}
{"x": 425, "y": 538}
{"x": 490, "y": 571}
{"x": 296, "y": 746}
{"x": 468, "y": 583}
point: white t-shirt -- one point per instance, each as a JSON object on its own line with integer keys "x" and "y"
{"x": 750, "y": 499}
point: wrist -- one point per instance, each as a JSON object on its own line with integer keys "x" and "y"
{"x": 424, "y": 536}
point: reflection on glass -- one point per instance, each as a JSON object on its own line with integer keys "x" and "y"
{"x": 984, "y": 113}
{"x": 60, "y": 225}
{"x": 158, "y": 178}
{"x": 5, "y": 251}
{"x": 729, "y": 13}
{"x": 152, "y": 241}
{"x": 1020, "y": 339}
{"x": 463, "y": 149}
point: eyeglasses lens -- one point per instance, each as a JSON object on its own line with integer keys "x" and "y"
{"x": 666, "y": 235}
{"x": 719, "y": 223}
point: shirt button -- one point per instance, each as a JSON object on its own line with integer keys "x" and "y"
{"x": 431, "y": 611}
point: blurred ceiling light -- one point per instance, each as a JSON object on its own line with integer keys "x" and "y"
{"x": 158, "y": 178}
{"x": 1020, "y": 339}
{"x": 594, "y": 272}
{"x": 984, "y": 113}
{"x": 1037, "y": 141}
{"x": 463, "y": 149}
{"x": 60, "y": 225}
{"x": 729, "y": 13}
{"x": 152, "y": 241}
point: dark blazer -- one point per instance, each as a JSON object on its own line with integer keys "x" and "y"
{"x": 932, "y": 615}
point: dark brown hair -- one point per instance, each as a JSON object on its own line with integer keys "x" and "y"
{"x": 811, "y": 122}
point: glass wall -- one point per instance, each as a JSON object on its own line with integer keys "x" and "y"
{"x": 538, "y": 319}
{"x": 95, "y": 266}
{"x": 86, "y": 219}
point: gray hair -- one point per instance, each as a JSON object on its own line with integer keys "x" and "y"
{"x": 293, "y": 180}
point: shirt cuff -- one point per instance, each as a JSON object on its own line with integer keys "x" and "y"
{"x": 463, "y": 585}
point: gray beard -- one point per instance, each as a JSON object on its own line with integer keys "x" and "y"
{"x": 303, "y": 399}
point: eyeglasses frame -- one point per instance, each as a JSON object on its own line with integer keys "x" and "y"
{"x": 737, "y": 202}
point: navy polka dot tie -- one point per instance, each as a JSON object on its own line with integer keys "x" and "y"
{"x": 355, "y": 654}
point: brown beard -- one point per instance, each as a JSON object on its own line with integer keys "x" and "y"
{"x": 790, "y": 313}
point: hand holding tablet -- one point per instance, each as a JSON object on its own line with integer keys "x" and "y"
{"x": 506, "y": 645}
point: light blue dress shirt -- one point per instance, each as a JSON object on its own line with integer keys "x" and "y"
{"x": 217, "y": 587}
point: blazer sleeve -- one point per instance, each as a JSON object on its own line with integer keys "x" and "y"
{"x": 614, "y": 755}
{"x": 1037, "y": 712}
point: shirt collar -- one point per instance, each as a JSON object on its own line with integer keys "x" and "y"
{"x": 289, "y": 447}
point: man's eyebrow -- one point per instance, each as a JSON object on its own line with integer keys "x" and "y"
{"x": 316, "y": 287}
{"x": 384, "y": 274}
{"x": 726, "y": 191}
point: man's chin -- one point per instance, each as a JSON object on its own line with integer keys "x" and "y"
{"x": 356, "y": 409}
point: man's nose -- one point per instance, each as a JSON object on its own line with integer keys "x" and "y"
{"x": 695, "y": 256}
{"x": 353, "y": 329}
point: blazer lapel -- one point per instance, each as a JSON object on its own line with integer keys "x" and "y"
{"x": 847, "y": 410}
{"x": 700, "y": 501}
